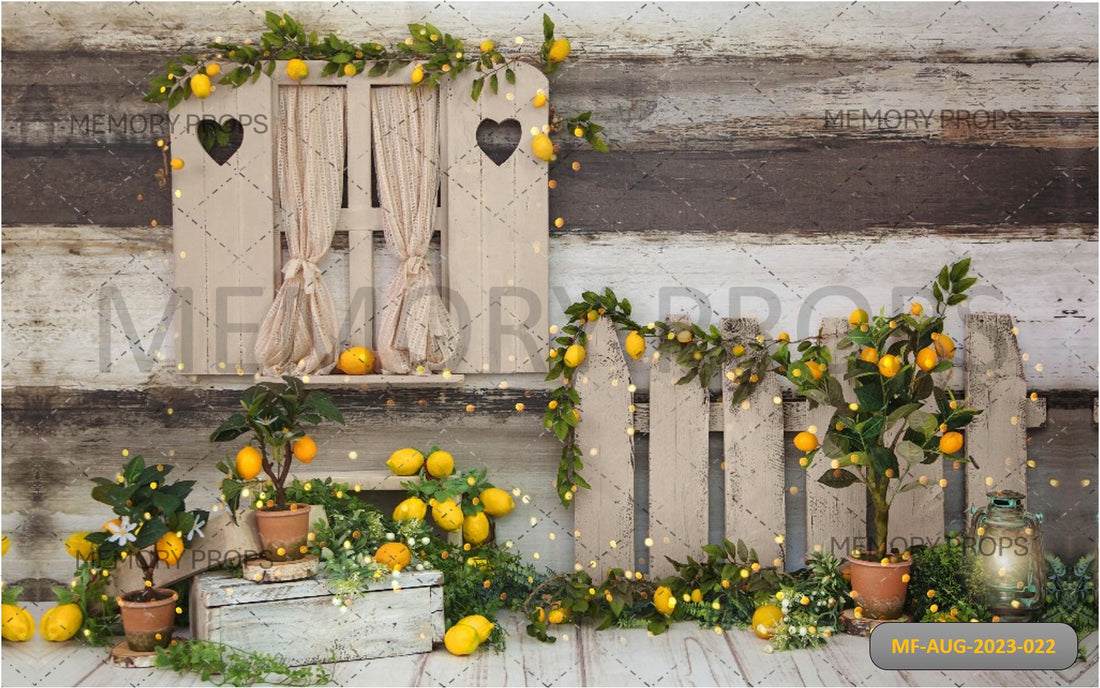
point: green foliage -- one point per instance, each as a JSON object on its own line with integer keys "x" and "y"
{"x": 88, "y": 590}
{"x": 11, "y": 593}
{"x": 732, "y": 576}
{"x": 236, "y": 667}
{"x": 275, "y": 414}
{"x": 463, "y": 488}
{"x": 620, "y": 600}
{"x": 811, "y": 601}
{"x": 1071, "y": 594}
{"x": 950, "y": 570}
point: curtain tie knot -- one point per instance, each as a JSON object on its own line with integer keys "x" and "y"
{"x": 310, "y": 272}
{"x": 414, "y": 265}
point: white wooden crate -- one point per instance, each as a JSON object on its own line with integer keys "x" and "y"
{"x": 299, "y": 621}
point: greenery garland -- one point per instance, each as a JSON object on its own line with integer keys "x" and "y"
{"x": 436, "y": 55}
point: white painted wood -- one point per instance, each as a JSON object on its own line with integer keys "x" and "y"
{"x": 379, "y": 381}
{"x": 753, "y": 456}
{"x": 361, "y": 219}
{"x": 604, "y": 515}
{"x": 996, "y": 440}
{"x": 832, "y": 515}
{"x": 678, "y": 462}
{"x": 497, "y": 241}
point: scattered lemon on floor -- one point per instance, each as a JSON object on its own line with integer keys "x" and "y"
{"x": 61, "y": 623}
{"x": 394, "y": 555}
{"x": 440, "y": 464}
{"x": 17, "y": 625}
{"x": 405, "y": 461}
{"x": 951, "y": 442}
{"x": 461, "y": 639}
{"x": 447, "y": 515}
{"x": 249, "y": 462}
{"x": 475, "y": 528}
{"x": 764, "y": 620}
{"x": 409, "y": 509}
{"x": 805, "y": 441}
{"x": 358, "y": 360}
{"x": 305, "y": 449}
{"x": 170, "y": 548}
{"x": 496, "y": 501}
{"x": 482, "y": 626}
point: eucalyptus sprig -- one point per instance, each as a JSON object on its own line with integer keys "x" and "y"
{"x": 227, "y": 666}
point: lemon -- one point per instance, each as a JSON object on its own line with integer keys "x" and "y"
{"x": 764, "y": 620}
{"x": 447, "y": 515}
{"x": 539, "y": 100}
{"x": 350, "y": 70}
{"x": 696, "y": 595}
{"x": 487, "y": 46}
{"x": 574, "y": 355}
{"x": 496, "y": 501}
{"x": 249, "y": 462}
{"x": 559, "y": 50}
{"x": 405, "y": 461}
{"x": 170, "y": 548}
{"x": 815, "y": 369}
{"x": 176, "y": 163}
{"x": 297, "y": 69}
{"x": 556, "y": 616}
{"x": 5, "y": 543}
{"x": 664, "y": 600}
{"x": 475, "y": 528}
{"x": 858, "y": 317}
{"x": 394, "y": 555}
{"x": 440, "y": 464}
{"x": 461, "y": 639}
{"x": 213, "y": 69}
{"x": 943, "y": 345}
{"x": 684, "y": 336}
{"x": 482, "y": 626}
{"x": 927, "y": 358}
{"x": 418, "y": 74}
{"x": 635, "y": 345}
{"x": 917, "y": 309}
{"x": 305, "y": 449}
{"x": 889, "y": 365}
{"x": 542, "y": 147}
{"x": 411, "y": 508}
{"x": 869, "y": 354}
{"x": 358, "y": 360}
{"x": 61, "y": 623}
{"x": 805, "y": 441}
{"x": 951, "y": 442}
{"x": 78, "y": 547}
{"x": 18, "y": 625}
{"x": 200, "y": 86}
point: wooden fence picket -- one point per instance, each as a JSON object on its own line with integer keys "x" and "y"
{"x": 997, "y": 438}
{"x": 679, "y": 438}
{"x": 753, "y": 456}
{"x": 604, "y": 515}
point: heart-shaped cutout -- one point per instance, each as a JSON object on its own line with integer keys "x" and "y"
{"x": 220, "y": 140}
{"x": 498, "y": 140}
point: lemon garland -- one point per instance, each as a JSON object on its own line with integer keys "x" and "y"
{"x": 437, "y": 55}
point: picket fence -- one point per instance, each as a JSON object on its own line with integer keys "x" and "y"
{"x": 679, "y": 419}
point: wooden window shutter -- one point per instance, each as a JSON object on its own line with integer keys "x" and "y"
{"x": 495, "y": 247}
{"x": 223, "y": 232}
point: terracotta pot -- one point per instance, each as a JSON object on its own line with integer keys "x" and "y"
{"x": 880, "y": 588}
{"x": 283, "y": 533}
{"x": 148, "y": 625}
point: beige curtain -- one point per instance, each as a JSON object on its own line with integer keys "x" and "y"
{"x": 298, "y": 336}
{"x": 416, "y": 329}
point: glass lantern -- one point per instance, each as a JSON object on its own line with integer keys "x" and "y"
{"x": 1009, "y": 549}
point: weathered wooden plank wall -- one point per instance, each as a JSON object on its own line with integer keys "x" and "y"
{"x": 797, "y": 161}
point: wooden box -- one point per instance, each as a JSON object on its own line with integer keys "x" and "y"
{"x": 299, "y": 621}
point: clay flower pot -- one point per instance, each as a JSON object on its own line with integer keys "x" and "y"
{"x": 150, "y": 624}
{"x": 880, "y": 588}
{"x": 283, "y": 533}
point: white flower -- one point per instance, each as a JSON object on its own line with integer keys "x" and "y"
{"x": 425, "y": 540}
{"x": 801, "y": 630}
{"x": 389, "y": 536}
{"x": 122, "y": 532}
{"x": 412, "y": 542}
{"x": 196, "y": 529}
{"x": 419, "y": 567}
{"x": 768, "y": 649}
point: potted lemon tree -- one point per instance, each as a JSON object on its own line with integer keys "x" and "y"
{"x": 902, "y": 415}
{"x": 152, "y": 526}
{"x": 275, "y": 414}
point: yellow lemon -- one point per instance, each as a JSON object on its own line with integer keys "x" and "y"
{"x": 440, "y": 464}
{"x": 927, "y": 358}
{"x": 889, "y": 365}
{"x": 358, "y": 360}
{"x": 574, "y": 355}
{"x": 557, "y": 616}
{"x": 5, "y": 543}
{"x": 61, "y": 623}
{"x": 487, "y": 46}
{"x": 482, "y": 626}
{"x": 539, "y": 100}
{"x": 542, "y": 147}
{"x": 78, "y": 547}
{"x": 858, "y": 317}
{"x": 213, "y": 69}
{"x": 461, "y": 639}
{"x": 664, "y": 600}
{"x": 176, "y": 164}
{"x": 559, "y": 50}
{"x": 249, "y": 462}
{"x": 297, "y": 69}
{"x": 869, "y": 354}
{"x": 350, "y": 70}
{"x": 413, "y": 507}
{"x": 18, "y": 625}
{"x": 418, "y": 74}
{"x": 475, "y": 528}
{"x": 405, "y": 461}
{"x": 951, "y": 442}
{"x": 944, "y": 346}
{"x": 805, "y": 441}
{"x": 917, "y": 309}
{"x": 447, "y": 515}
{"x": 696, "y": 595}
{"x": 394, "y": 555}
{"x": 764, "y": 620}
{"x": 496, "y": 501}
{"x": 170, "y": 548}
{"x": 815, "y": 369}
{"x": 200, "y": 86}
{"x": 635, "y": 345}
{"x": 305, "y": 449}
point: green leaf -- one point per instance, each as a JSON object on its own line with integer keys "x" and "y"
{"x": 475, "y": 90}
{"x": 547, "y": 27}
{"x": 510, "y": 76}
{"x": 901, "y": 413}
{"x": 322, "y": 404}
{"x": 959, "y": 269}
{"x": 882, "y": 459}
{"x": 232, "y": 428}
{"x": 494, "y": 83}
{"x": 870, "y": 396}
{"x": 909, "y": 452}
{"x": 838, "y": 477}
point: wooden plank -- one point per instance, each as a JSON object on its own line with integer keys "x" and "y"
{"x": 215, "y": 590}
{"x": 678, "y": 463}
{"x": 604, "y": 515}
{"x": 360, "y": 239}
{"x": 753, "y": 455}
{"x": 996, "y": 440}
{"x": 832, "y": 515}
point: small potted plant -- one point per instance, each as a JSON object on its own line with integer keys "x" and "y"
{"x": 152, "y": 525}
{"x": 903, "y": 415}
{"x": 274, "y": 414}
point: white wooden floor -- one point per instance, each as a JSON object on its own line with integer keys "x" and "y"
{"x": 686, "y": 655}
